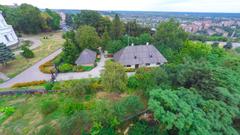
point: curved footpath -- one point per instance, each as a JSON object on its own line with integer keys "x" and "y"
{"x": 34, "y": 74}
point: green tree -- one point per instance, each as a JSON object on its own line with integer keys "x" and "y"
{"x": 105, "y": 39}
{"x": 117, "y": 29}
{"x": 182, "y": 111}
{"x": 54, "y": 23}
{"x": 170, "y": 35}
{"x": 29, "y": 19}
{"x": 70, "y": 52}
{"x": 114, "y": 77}
{"x": 87, "y": 37}
{"x": 6, "y": 54}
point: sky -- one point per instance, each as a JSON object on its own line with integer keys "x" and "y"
{"x": 226, "y": 6}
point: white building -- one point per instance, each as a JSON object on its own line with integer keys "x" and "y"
{"x": 7, "y": 34}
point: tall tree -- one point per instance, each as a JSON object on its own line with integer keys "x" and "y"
{"x": 114, "y": 77}
{"x": 6, "y": 54}
{"x": 87, "y": 37}
{"x": 30, "y": 19}
{"x": 54, "y": 23}
{"x": 169, "y": 34}
{"x": 105, "y": 39}
{"x": 117, "y": 29}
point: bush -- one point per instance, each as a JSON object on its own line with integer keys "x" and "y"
{"x": 238, "y": 50}
{"x": 78, "y": 69}
{"x": 130, "y": 69}
{"x": 47, "y": 130}
{"x": 48, "y": 107}
{"x": 143, "y": 128}
{"x": 80, "y": 88}
{"x": 27, "y": 84}
{"x": 133, "y": 82}
{"x": 87, "y": 68}
{"x": 70, "y": 107}
{"x": 49, "y": 86}
{"x": 27, "y": 53}
{"x": 65, "y": 67}
{"x": 47, "y": 67}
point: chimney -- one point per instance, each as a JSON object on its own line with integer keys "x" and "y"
{"x": 132, "y": 44}
{"x": 147, "y": 43}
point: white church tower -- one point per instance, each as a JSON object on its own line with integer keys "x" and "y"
{"x": 7, "y": 34}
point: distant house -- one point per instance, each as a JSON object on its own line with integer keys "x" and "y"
{"x": 86, "y": 58}
{"x": 7, "y": 34}
{"x": 139, "y": 56}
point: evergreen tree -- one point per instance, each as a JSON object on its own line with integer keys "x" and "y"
{"x": 5, "y": 54}
{"x": 117, "y": 28}
{"x": 105, "y": 39}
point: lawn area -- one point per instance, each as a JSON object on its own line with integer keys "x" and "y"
{"x": 48, "y": 46}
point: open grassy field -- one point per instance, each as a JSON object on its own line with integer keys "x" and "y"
{"x": 48, "y": 46}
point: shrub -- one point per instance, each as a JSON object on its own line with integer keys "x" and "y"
{"x": 238, "y": 50}
{"x": 47, "y": 130}
{"x": 27, "y": 53}
{"x": 78, "y": 69}
{"x": 47, "y": 67}
{"x": 49, "y": 86}
{"x": 143, "y": 128}
{"x": 128, "y": 106}
{"x": 87, "y": 68}
{"x": 130, "y": 69}
{"x": 48, "y": 107}
{"x": 27, "y": 84}
{"x": 75, "y": 124}
{"x": 70, "y": 107}
{"x": 80, "y": 88}
{"x": 133, "y": 82}
{"x": 65, "y": 67}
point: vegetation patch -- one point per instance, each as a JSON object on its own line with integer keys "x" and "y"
{"x": 27, "y": 84}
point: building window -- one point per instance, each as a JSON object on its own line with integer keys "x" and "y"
{"x": 150, "y": 56}
{"x": 135, "y": 57}
{"x": 6, "y": 37}
{"x": 148, "y": 64}
{"x": 158, "y": 63}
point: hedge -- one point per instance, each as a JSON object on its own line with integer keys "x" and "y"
{"x": 27, "y": 84}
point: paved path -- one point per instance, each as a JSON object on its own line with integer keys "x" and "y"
{"x": 31, "y": 74}
{"x": 34, "y": 74}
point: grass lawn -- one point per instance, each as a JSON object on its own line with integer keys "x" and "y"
{"x": 48, "y": 46}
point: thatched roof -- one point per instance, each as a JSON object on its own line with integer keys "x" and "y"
{"x": 140, "y": 54}
{"x": 86, "y": 57}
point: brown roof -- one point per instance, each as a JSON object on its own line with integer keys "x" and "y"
{"x": 140, "y": 54}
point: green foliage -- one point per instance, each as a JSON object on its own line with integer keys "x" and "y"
{"x": 114, "y": 77}
{"x": 204, "y": 38}
{"x": 70, "y": 107}
{"x": 70, "y": 52}
{"x": 6, "y": 112}
{"x": 47, "y": 130}
{"x": 54, "y": 23}
{"x": 170, "y": 35}
{"x": 48, "y": 107}
{"x": 114, "y": 46}
{"x": 80, "y": 88}
{"x": 65, "y": 67}
{"x": 29, "y": 19}
{"x": 143, "y": 128}
{"x": 48, "y": 86}
{"x": 75, "y": 124}
{"x": 238, "y": 50}
{"x": 127, "y": 106}
{"x": 27, "y": 53}
{"x": 134, "y": 29}
{"x": 87, "y": 37}
{"x": 117, "y": 29}
{"x": 6, "y": 54}
{"x": 184, "y": 112}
